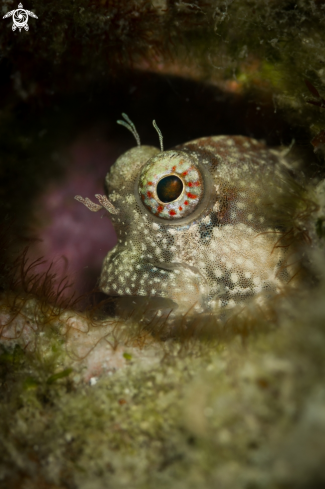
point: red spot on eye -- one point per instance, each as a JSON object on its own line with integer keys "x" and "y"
{"x": 186, "y": 203}
{"x": 184, "y": 173}
{"x": 174, "y": 168}
{"x": 149, "y": 183}
{"x": 160, "y": 208}
{"x": 180, "y": 208}
{"x": 194, "y": 184}
{"x": 197, "y": 184}
{"x": 172, "y": 213}
{"x": 149, "y": 194}
{"x": 191, "y": 196}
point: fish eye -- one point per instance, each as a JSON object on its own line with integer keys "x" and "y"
{"x": 169, "y": 189}
{"x": 171, "y": 185}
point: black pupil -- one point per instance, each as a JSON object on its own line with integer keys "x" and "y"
{"x": 169, "y": 188}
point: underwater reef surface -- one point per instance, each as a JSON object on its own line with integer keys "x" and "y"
{"x": 92, "y": 394}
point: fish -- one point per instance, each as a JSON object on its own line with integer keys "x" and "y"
{"x": 206, "y": 226}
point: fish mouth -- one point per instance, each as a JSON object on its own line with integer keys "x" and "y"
{"x": 172, "y": 266}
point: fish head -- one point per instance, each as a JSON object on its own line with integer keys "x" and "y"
{"x": 202, "y": 225}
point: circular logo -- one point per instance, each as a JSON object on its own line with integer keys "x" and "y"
{"x": 20, "y": 18}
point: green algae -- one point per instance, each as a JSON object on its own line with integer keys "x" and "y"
{"x": 213, "y": 414}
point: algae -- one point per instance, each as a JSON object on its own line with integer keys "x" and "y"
{"x": 227, "y": 414}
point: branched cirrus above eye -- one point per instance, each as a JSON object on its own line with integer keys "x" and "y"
{"x": 209, "y": 224}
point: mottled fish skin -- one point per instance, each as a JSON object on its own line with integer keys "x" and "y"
{"x": 219, "y": 243}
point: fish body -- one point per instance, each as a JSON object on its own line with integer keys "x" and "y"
{"x": 203, "y": 224}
